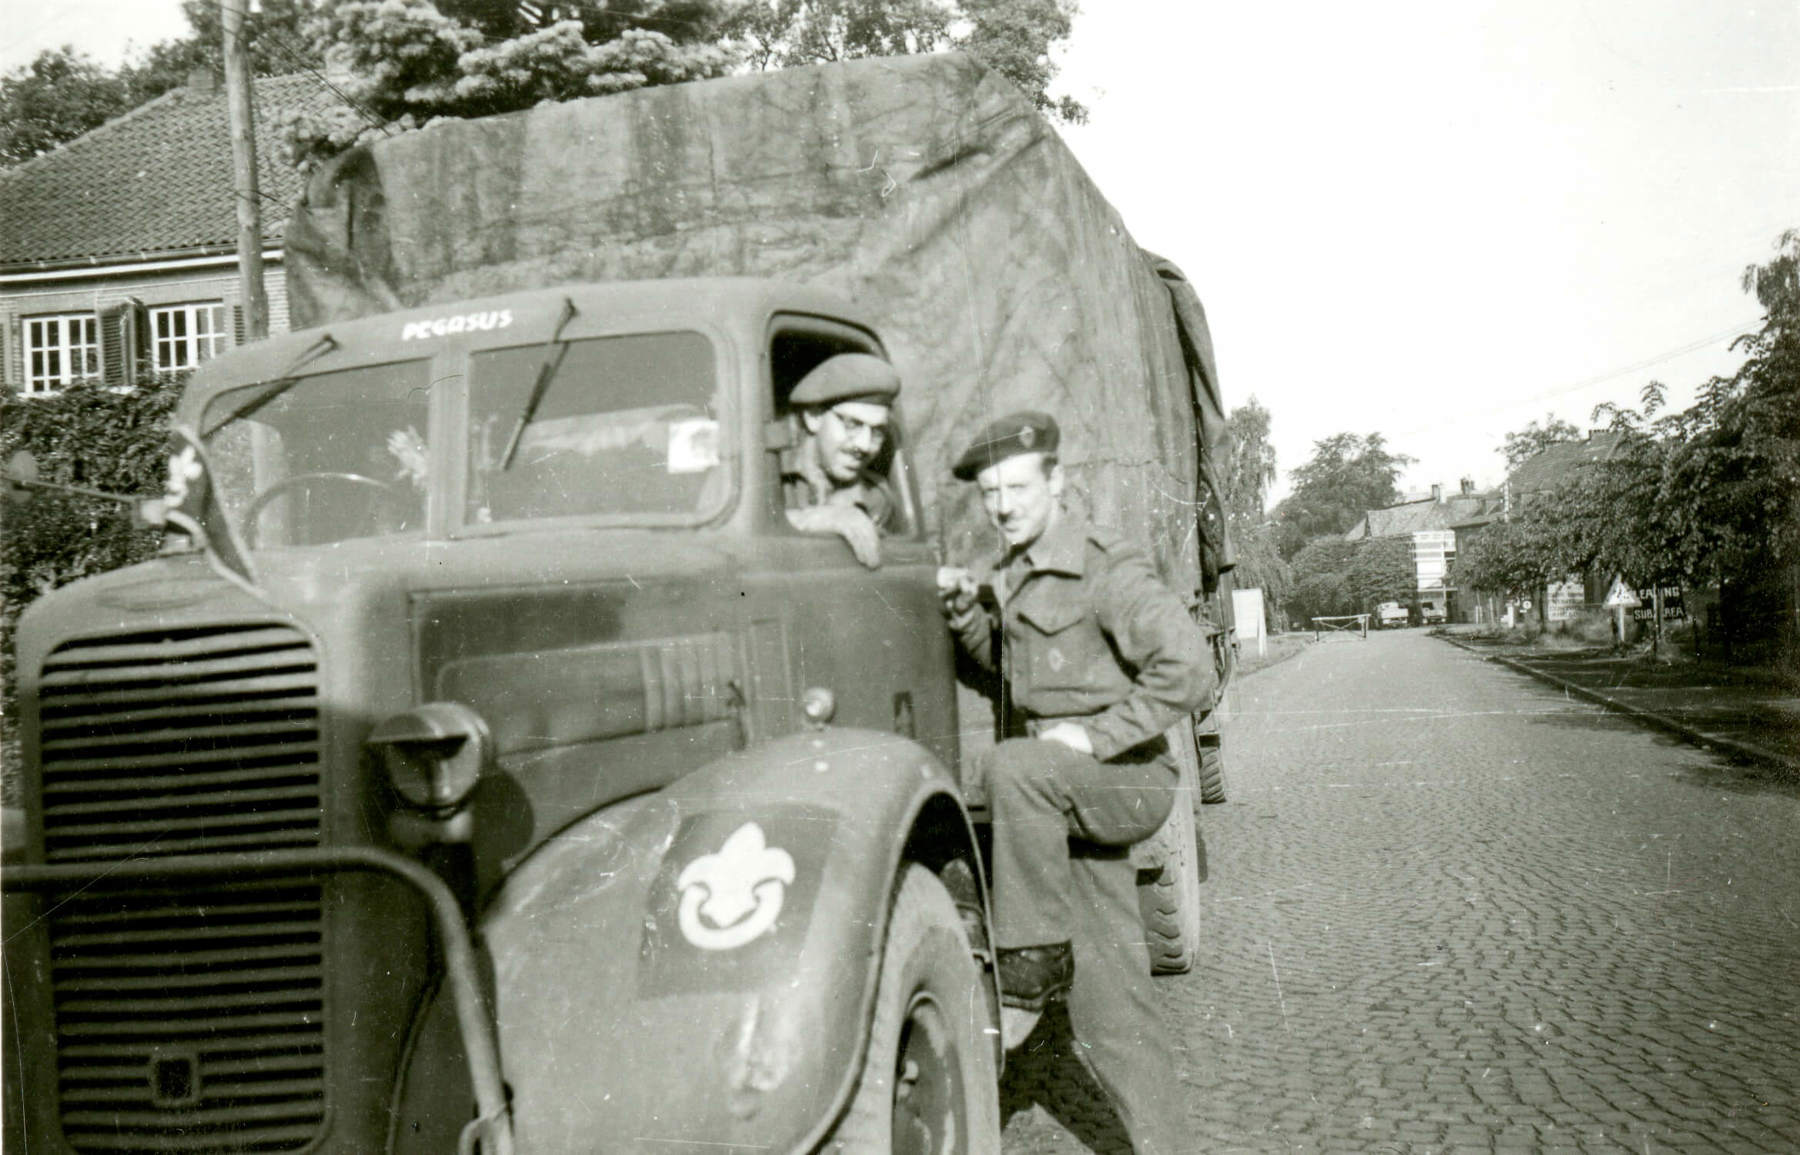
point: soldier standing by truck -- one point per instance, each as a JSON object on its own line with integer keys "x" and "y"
{"x": 1101, "y": 659}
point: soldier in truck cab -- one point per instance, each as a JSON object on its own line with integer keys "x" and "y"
{"x": 831, "y": 486}
{"x": 1100, "y": 658}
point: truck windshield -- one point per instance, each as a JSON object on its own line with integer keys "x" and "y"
{"x": 628, "y": 428}
{"x": 339, "y": 455}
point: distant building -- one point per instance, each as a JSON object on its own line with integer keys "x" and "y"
{"x": 1529, "y": 480}
{"x": 118, "y": 250}
{"x": 1430, "y": 524}
{"x": 1550, "y": 467}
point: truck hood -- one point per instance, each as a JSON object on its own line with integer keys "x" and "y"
{"x": 414, "y": 565}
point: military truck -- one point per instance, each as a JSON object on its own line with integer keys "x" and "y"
{"x": 488, "y": 764}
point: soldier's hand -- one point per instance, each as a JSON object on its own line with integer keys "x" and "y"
{"x": 1070, "y": 734}
{"x": 958, "y": 589}
{"x": 848, "y": 522}
{"x": 864, "y": 538}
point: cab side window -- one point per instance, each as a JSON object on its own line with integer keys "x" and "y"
{"x": 796, "y": 351}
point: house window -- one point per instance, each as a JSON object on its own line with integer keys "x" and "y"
{"x": 185, "y": 335}
{"x": 61, "y": 350}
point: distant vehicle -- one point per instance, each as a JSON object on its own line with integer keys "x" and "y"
{"x": 1390, "y": 614}
{"x": 1434, "y": 615}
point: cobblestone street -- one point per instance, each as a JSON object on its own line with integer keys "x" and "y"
{"x": 1451, "y": 910}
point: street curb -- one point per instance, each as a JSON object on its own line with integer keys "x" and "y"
{"x": 1787, "y": 767}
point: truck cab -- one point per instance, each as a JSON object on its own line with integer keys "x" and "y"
{"x": 490, "y": 762}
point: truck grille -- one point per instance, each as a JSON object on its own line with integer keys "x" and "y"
{"x": 188, "y": 1019}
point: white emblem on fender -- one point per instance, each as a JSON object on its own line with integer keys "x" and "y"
{"x": 731, "y": 897}
{"x": 184, "y": 468}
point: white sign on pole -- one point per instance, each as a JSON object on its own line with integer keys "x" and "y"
{"x": 1247, "y": 612}
{"x": 1622, "y": 596}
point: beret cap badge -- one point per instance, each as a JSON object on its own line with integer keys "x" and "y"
{"x": 1026, "y": 431}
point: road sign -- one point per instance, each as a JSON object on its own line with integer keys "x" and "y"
{"x": 1621, "y": 596}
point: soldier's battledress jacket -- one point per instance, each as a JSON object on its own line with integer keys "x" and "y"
{"x": 1092, "y": 635}
{"x": 804, "y": 484}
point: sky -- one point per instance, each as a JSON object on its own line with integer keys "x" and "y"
{"x": 1441, "y": 221}
{"x": 1434, "y": 220}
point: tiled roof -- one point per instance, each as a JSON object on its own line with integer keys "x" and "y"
{"x": 1409, "y": 517}
{"x": 153, "y": 182}
{"x": 1549, "y": 467}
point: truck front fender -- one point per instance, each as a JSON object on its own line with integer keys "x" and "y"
{"x": 697, "y": 966}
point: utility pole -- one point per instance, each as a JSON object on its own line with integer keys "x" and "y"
{"x": 243, "y": 165}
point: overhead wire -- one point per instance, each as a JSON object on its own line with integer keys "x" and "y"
{"x": 1636, "y": 366}
{"x": 1598, "y": 378}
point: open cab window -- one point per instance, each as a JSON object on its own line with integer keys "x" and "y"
{"x": 798, "y": 345}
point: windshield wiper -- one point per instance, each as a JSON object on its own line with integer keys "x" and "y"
{"x": 553, "y": 355}
{"x": 280, "y": 384}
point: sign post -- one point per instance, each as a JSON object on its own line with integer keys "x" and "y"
{"x": 1620, "y": 598}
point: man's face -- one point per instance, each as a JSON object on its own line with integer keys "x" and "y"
{"x": 850, "y": 435}
{"x": 1020, "y": 497}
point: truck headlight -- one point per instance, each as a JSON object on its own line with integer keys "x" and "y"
{"x": 434, "y": 754}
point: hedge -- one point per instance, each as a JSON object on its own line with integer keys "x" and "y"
{"x": 88, "y": 435}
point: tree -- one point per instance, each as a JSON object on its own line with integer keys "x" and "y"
{"x": 1250, "y": 471}
{"x": 409, "y": 61}
{"x": 1534, "y": 439}
{"x": 274, "y": 40}
{"x": 57, "y": 97}
{"x": 1347, "y": 476}
{"x": 1333, "y": 576}
{"x": 1013, "y": 37}
{"x": 1382, "y": 570}
{"x": 684, "y": 21}
{"x": 1511, "y": 558}
{"x": 1246, "y": 477}
{"x": 63, "y": 93}
{"x": 405, "y": 62}
{"x": 1321, "y": 579}
{"x": 787, "y": 33}
{"x": 1740, "y": 441}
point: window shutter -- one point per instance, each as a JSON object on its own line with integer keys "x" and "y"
{"x": 115, "y": 345}
{"x": 237, "y": 324}
{"x": 137, "y": 340}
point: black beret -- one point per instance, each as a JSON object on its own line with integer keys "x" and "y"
{"x": 847, "y": 377}
{"x": 1024, "y": 432}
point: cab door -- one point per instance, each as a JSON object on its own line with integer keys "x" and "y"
{"x": 816, "y": 617}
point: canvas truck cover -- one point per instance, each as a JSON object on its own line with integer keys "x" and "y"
{"x": 924, "y": 188}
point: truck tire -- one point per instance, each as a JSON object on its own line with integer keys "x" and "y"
{"x": 1212, "y": 773}
{"x": 929, "y": 1083}
{"x": 1168, "y": 865}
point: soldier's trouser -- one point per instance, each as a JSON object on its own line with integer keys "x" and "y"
{"x": 1040, "y": 793}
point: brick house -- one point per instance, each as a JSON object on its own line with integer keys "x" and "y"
{"x": 1430, "y": 524}
{"x": 118, "y": 250}
{"x": 1578, "y": 594}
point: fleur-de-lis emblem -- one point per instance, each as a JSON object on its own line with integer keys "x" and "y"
{"x": 730, "y": 897}
{"x": 184, "y": 469}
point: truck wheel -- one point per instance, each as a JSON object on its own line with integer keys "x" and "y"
{"x": 1212, "y": 773}
{"x": 929, "y": 1085}
{"x": 1168, "y": 865}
